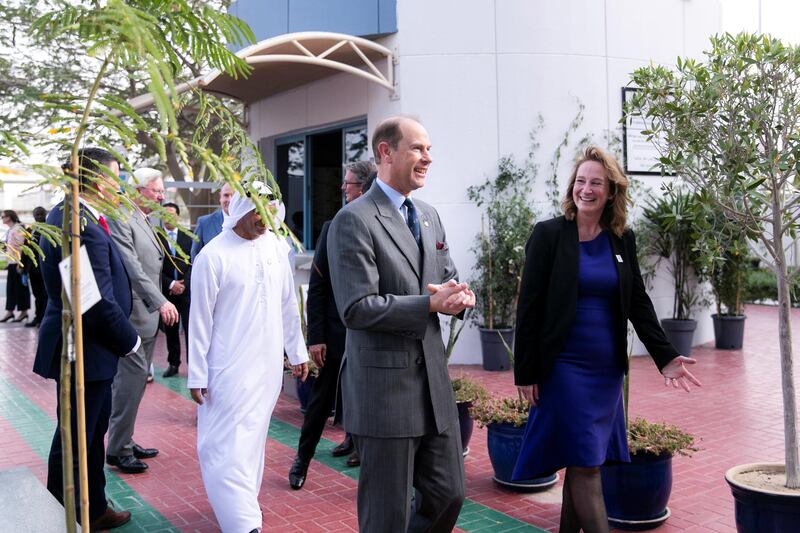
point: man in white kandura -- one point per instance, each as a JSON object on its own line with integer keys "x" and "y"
{"x": 243, "y": 316}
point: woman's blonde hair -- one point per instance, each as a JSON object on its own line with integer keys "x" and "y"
{"x": 615, "y": 213}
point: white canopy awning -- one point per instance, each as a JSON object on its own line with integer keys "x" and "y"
{"x": 292, "y": 60}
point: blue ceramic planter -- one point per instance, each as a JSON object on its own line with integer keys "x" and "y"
{"x": 504, "y": 442}
{"x": 637, "y": 493}
{"x": 763, "y": 510}
{"x": 466, "y": 424}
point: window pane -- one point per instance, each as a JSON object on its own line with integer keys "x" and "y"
{"x": 356, "y": 145}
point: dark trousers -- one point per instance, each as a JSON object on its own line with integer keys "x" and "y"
{"x": 390, "y": 467}
{"x": 17, "y": 294}
{"x": 39, "y": 293}
{"x": 97, "y": 398}
{"x": 323, "y": 397}
{"x": 172, "y": 333}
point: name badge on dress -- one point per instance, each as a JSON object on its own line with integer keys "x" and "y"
{"x": 619, "y": 258}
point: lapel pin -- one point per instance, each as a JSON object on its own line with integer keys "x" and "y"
{"x": 619, "y": 258}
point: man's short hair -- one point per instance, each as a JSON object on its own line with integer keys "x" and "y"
{"x": 362, "y": 171}
{"x": 173, "y": 205}
{"x": 387, "y": 131}
{"x": 89, "y": 162}
{"x": 142, "y": 177}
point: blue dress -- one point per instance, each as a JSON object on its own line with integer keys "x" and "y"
{"x": 580, "y": 420}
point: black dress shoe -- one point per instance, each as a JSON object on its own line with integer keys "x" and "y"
{"x": 354, "y": 459}
{"x": 297, "y": 474}
{"x": 127, "y": 463}
{"x": 9, "y": 316}
{"x": 32, "y": 324}
{"x": 345, "y": 448}
{"x": 144, "y": 453}
{"x": 110, "y": 519}
{"x": 172, "y": 370}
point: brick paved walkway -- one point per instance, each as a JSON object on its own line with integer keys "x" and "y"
{"x": 737, "y": 414}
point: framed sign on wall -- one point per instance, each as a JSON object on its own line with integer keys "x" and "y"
{"x": 640, "y": 155}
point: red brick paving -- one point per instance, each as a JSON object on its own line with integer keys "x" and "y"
{"x": 737, "y": 414}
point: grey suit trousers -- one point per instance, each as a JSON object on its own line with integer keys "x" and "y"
{"x": 433, "y": 464}
{"x": 126, "y": 395}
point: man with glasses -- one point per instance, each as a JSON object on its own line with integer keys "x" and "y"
{"x": 143, "y": 257}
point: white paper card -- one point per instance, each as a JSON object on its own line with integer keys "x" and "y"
{"x": 90, "y": 293}
{"x": 619, "y": 258}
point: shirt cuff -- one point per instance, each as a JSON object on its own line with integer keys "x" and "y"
{"x": 135, "y": 346}
{"x": 171, "y": 284}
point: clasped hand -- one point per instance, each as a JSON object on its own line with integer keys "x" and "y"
{"x": 451, "y": 297}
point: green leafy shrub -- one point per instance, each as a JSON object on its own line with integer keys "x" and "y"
{"x": 495, "y": 410}
{"x": 468, "y": 390}
{"x": 658, "y": 439}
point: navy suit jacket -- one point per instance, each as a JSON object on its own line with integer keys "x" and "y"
{"x": 208, "y": 227}
{"x": 107, "y": 332}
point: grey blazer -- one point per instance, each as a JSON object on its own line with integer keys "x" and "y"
{"x": 394, "y": 372}
{"x": 143, "y": 257}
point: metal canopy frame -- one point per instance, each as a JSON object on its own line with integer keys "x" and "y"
{"x": 334, "y": 51}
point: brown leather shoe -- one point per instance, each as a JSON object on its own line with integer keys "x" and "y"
{"x": 110, "y": 519}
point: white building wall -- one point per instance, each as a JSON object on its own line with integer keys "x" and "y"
{"x": 479, "y": 73}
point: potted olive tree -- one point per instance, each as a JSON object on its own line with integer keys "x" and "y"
{"x": 500, "y": 255}
{"x": 729, "y": 124}
{"x": 667, "y": 233}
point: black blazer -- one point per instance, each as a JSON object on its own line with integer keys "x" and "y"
{"x": 549, "y": 295}
{"x": 107, "y": 332}
{"x": 168, "y": 270}
{"x": 324, "y": 324}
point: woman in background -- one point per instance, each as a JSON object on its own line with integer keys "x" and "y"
{"x": 581, "y": 284}
{"x": 17, "y": 294}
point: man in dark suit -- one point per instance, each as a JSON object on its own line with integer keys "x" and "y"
{"x": 392, "y": 274}
{"x": 107, "y": 335}
{"x": 35, "y": 274}
{"x": 326, "y": 335}
{"x": 209, "y": 226}
{"x": 175, "y": 286}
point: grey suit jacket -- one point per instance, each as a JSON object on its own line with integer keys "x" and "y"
{"x": 143, "y": 257}
{"x": 394, "y": 372}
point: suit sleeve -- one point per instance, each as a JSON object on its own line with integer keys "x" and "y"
{"x": 106, "y": 318}
{"x": 642, "y": 314}
{"x": 141, "y": 284}
{"x": 356, "y": 288}
{"x": 532, "y": 300}
{"x": 198, "y": 244}
{"x": 319, "y": 290}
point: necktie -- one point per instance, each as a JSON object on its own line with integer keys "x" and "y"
{"x": 174, "y": 237}
{"x": 103, "y": 224}
{"x": 412, "y": 220}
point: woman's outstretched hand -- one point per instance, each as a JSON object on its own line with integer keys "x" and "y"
{"x": 677, "y": 375}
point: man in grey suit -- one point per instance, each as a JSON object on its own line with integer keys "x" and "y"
{"x": 391, "y": 274}
{"x": 143, "y": 257}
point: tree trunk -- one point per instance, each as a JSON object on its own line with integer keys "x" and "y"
{"x": 787, "y": 370}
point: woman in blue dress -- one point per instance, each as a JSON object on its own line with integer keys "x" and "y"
{"x": 580, "y": 287}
